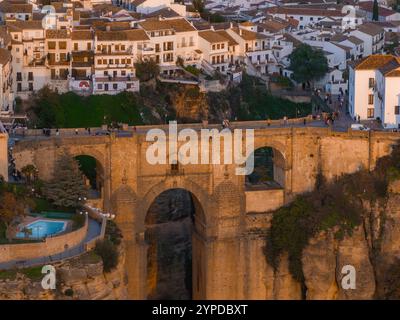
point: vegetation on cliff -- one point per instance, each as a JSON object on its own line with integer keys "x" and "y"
{"x": 337, "y": 206}
{"x": 157, "y": 103}
{"x": 250, "y": 100}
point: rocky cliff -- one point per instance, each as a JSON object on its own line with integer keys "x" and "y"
{"x": 80, "y": 278}
{"x": 373, "y": 249}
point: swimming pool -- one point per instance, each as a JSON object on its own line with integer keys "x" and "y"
{"x": 42, "y": 228}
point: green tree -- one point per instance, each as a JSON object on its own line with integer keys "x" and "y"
{"x": 67, "y": 188}
{"x": 308, "y": 64}
{"x": 10, "y": 207}
{"x": 375, "y": 11}
{"x": 198, "y": 5}
{"x": 147, "y": 69}
{"x": 30, "y": 173}
{"x": 108, "y": 253}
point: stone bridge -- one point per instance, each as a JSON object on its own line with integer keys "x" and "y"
{"x": 230, "y": 220}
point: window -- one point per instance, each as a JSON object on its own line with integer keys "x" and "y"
{"x": 30, "y": 86}
{"x": 128, "y": 85}
{"x": 397, "y": 110}
{"x": 62, "y": 45}
{"x": 128, "y": 61}
{"x": 106, "y": 72}
{"x": 123, "y": 73}
{"x": 301, "y": 18}
{"x": 223, "y": 46}
{"x": 19, "y": 86}
{"x": 117, "y": 47}
{"x": 370, "y": 112}
{"x": 99, "y": 61}
{"x": 370, "y": 99}
{"x": 122, "y": 47}
{"x": 76, "y": 46}
{"x": 174, "y": 168}
{"x": 19, "y": 76}
{"x": 371, "y": 82}
{"x": 100, "y": 86}
{"x": 89, "y": 46}
{"x": 30, "y": 76}
{"x": 115, "y": 86}
{"x": 51, "y": 45}
{"x": 213, "y": 46}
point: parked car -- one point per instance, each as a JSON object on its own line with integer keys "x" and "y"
{"x": 359, "y": 127}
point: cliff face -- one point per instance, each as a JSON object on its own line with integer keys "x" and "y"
{"x": 76, "y": 279}
{"x": 372, "y": 249}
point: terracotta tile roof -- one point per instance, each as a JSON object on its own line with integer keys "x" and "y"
{"x": 273, "y": 26}
{"x": 370, "y": 28}
{"x": 10, "y": 7}
{"x": 391, "y": 67}
{"x": 306, "y": 11}
{"x": 393, "y": 73}
{"x": 58, "y": 34}
{"x": 124, "y": 35}
{"x": 212, "y": 36}
{"x": 372, "y": 62}
{"x": 164, "y": 12}
{"x": 24, "y": 25}
{"x": 247, "y": 24}
{"x": 368, "y": 7}
{"x": 178, "y": 25}
{"x": 5, "y": 56}
{"x": 231, "y": 41}
{"x": 82, "y": 35}
{"x": 355, "y": 40}
{"x": 248, "y": 35}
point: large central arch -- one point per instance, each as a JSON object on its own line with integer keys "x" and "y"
{"x": 201, "y": 215}
{"x": 174, "y": 258}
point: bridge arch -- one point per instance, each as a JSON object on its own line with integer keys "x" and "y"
{"x": 178, "y": 221}
{"x": 271, "y": 169}
{"x": 202, "y": 197}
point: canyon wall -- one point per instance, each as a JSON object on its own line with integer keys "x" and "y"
{"x": 80, "y": 278}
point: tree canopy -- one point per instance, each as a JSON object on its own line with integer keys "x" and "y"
{"x": 147, "y": 69}
{"x": 67, "y": 187}
{"x": 307, "y": 63}
{"x": 375, "y": 11}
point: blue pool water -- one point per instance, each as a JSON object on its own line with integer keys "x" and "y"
{"x": 42, "y": 228}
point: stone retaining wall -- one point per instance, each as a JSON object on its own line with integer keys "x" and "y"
{"x": 50, "y": 246}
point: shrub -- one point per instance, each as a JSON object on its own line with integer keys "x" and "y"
{"x": 334, "y": 206}
{"x": 69, "y": 292}
{"x": 78, "y": 221}
{"x": 108, "y": 253}
{"x": 113, "y": 233}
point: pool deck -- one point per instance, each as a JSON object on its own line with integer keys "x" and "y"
{"x": 94, "y": 230}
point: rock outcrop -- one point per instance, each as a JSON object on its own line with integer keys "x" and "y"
{"x": 372, "y": 249}
{"x": 80, "y": 278}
